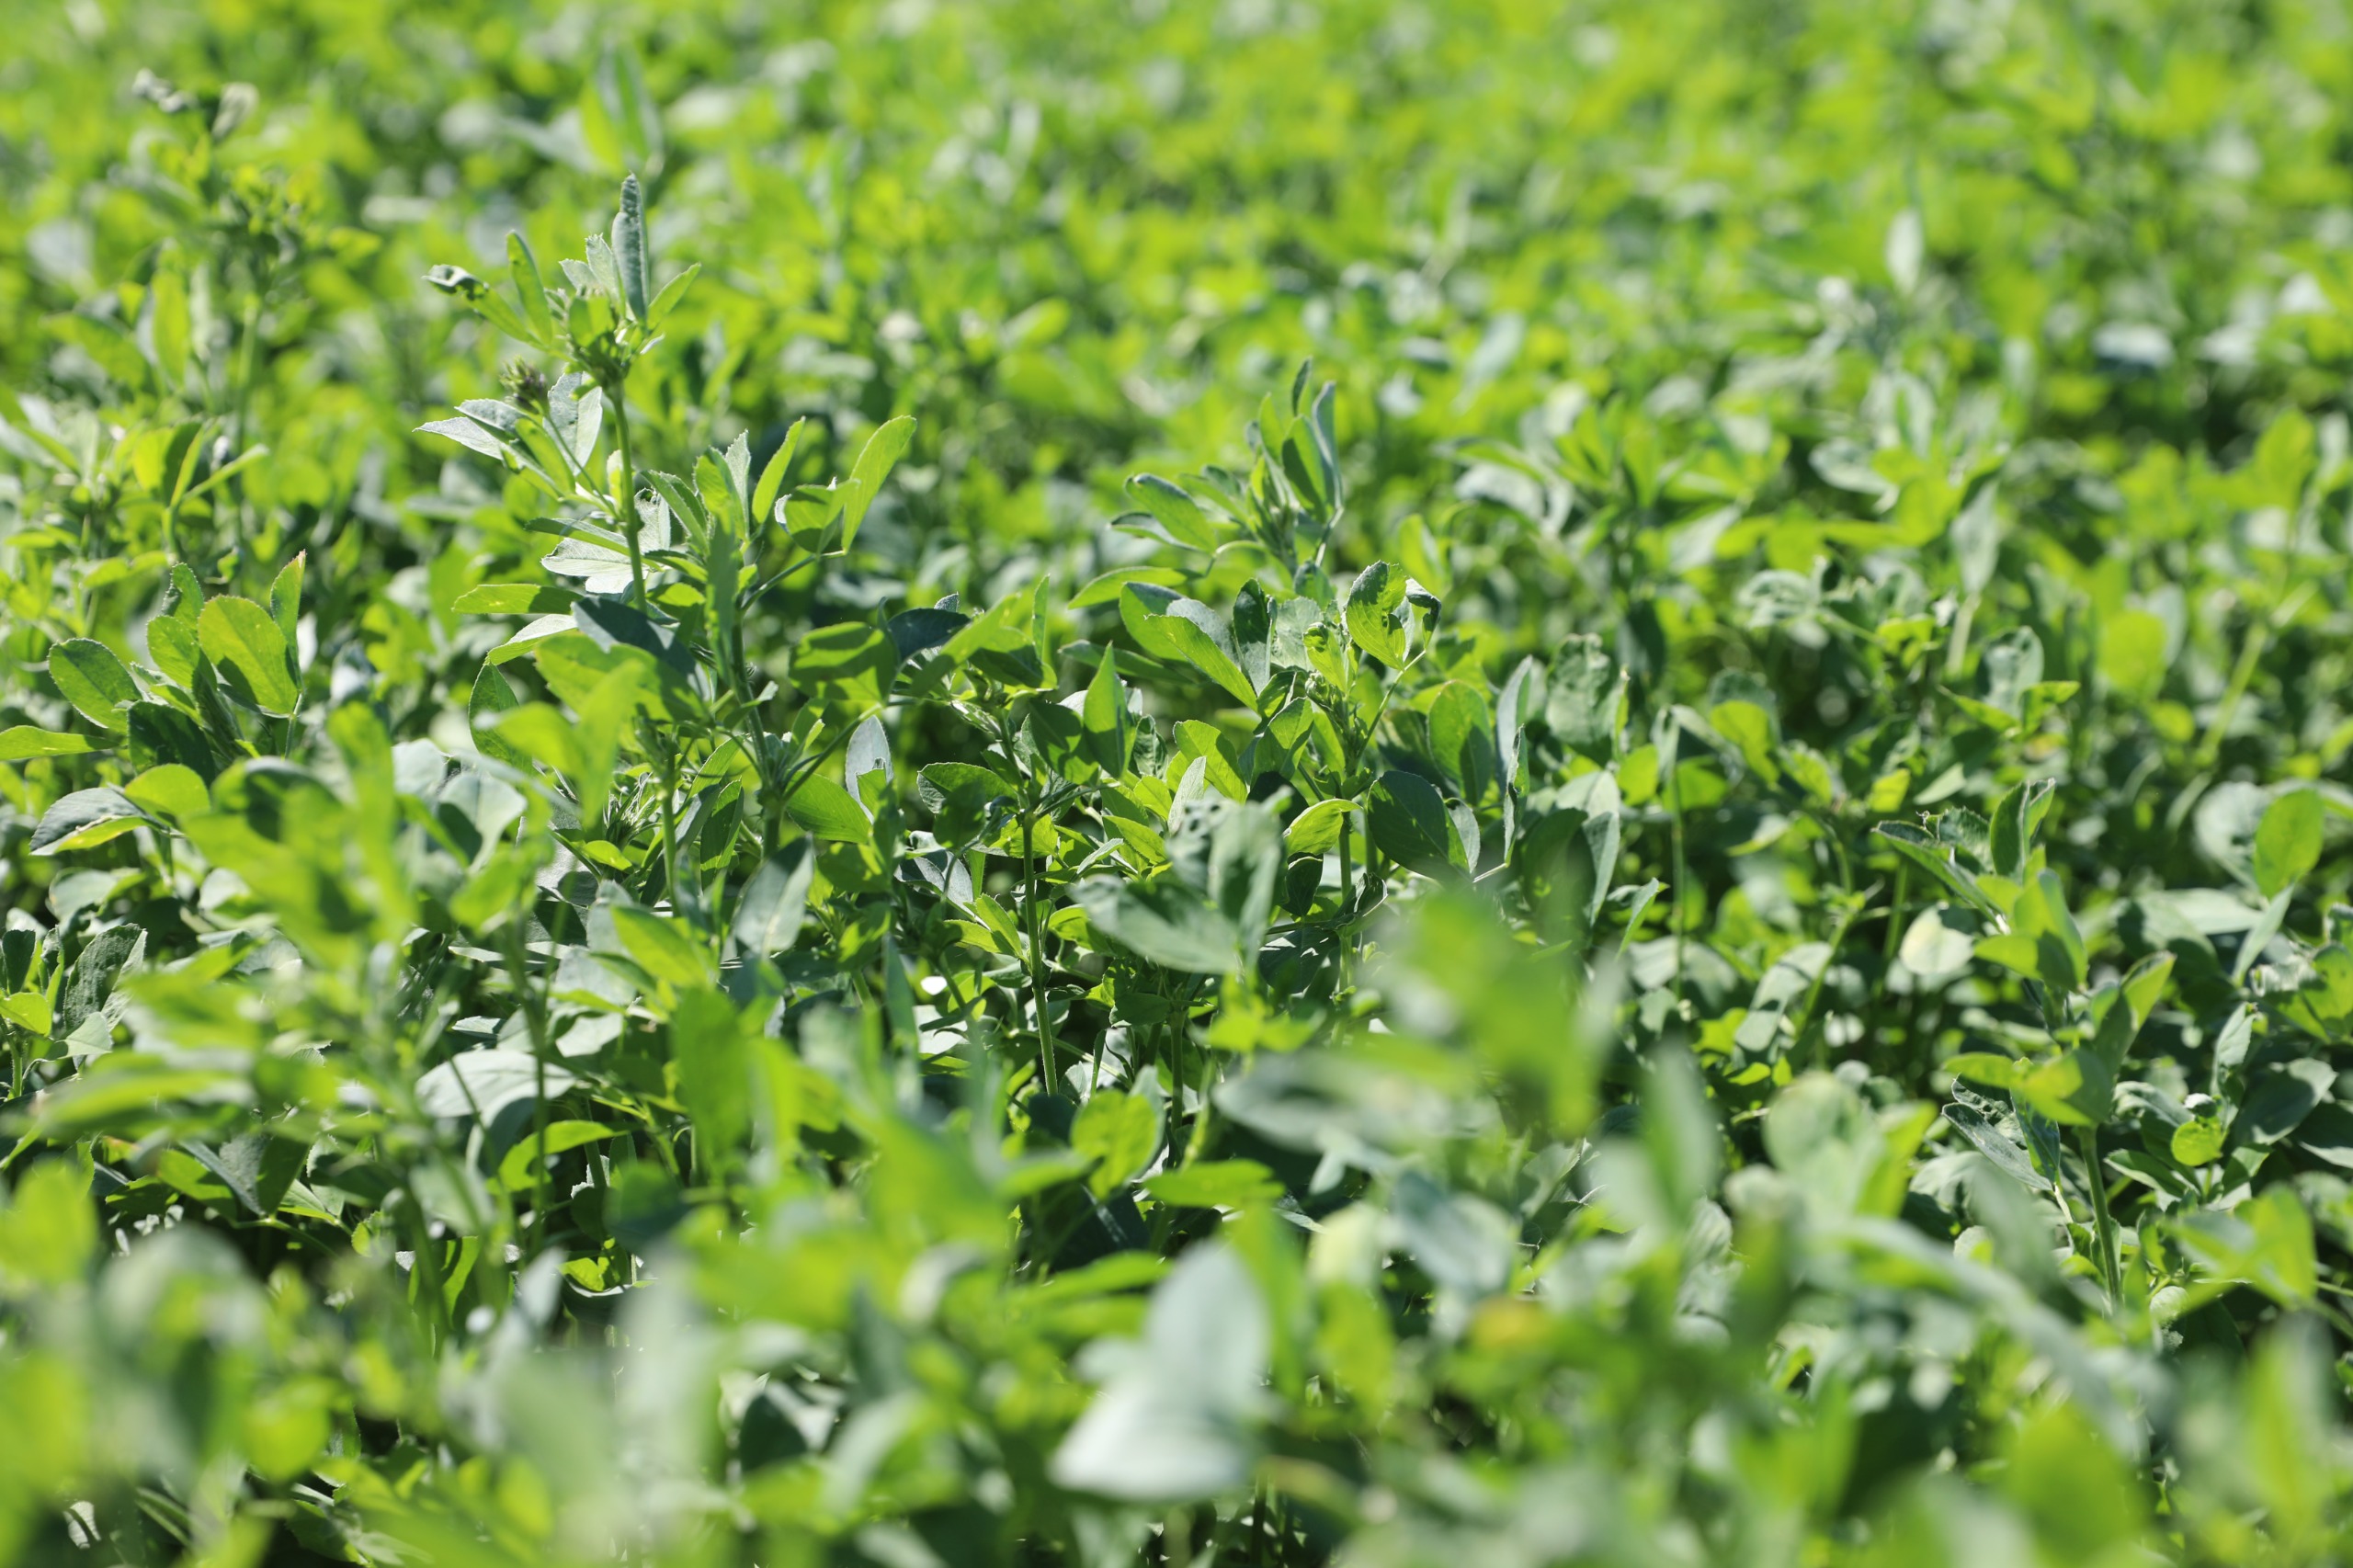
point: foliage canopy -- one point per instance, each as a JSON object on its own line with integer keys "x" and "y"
{"x": 1084, "y": 784}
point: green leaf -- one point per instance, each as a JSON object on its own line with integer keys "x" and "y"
{"x": 1144, "y": 610}
{"x": 875, "y": 461}
{"x": 2276, "y": 1103}
{"x": 488, "y": 1081}
{"x": 2288, "y": 841}
{"x": 49, "y": 1229}
{"x": 2197, "y": 1142}
{"x": 1216, "y": 1184}
{"x": 2012, "y": 952}
{"x": 1938, "y": 942}
{"x": 286, "y": 599}
{"x": 85, "y": 819}
{"x": 940, "y": 782}
{"x": 495, "y": 890}
{"x": 29, "y": 1011}
{"x": 1173, "y": 1422}
{"x": 523, "y": 269}
{"x": 1105, "y": 590}
{"x": 1565, "y": 860}
{"x": 2017, "y": 817}
{"x": 1462, "y": 738}
{"x": 516, "y": 1170}
{"x": 1750, "y": 730}
{"x": 710, "y": 1048}
{"x": 514, "y": 598}
{"x": 20, "y": 743}
{"x": 769, "y": 918}
{"x": 1985, "y": 1067}
{"x": 1938, "y": 860}
{"x": 1165, "y": 923}
{"x": 1052, "y": 739}
{"x": 673, "y": 295}
{"x": 2265, "y": 1242}
{"x": 2040, "y": 917}
{"x": 227, "y": 471}
{"x": 2322, "y": 1005}
{"x": 1408, "y": 822}
{"x": 161, "y": 732}
{"x": 825, "y": 809}
{"x": 772, "y": 475}
{"x": 1003, "y": 627}
{"x": 1110, "y": 730}
{"x": 489, "y": 699}
{"x": 170, "y": 790}
{"x": 1373, "y": 614}
{"x": 2145, "y": 984}
{"x": 1584, "y": 697}
{"x": 1999, "y": 720}
{"x": 2127, "y": 1007}
{"x": 243, "y": 642}
{"x": 2006, "y": 1155}
{"x": 850, "y": 662}
{"x": 1120, "y": 1133}
{"x": 1176, "y": 511}
{"x": 1318, "y": 828}
{"x": 1208, "y": 745}
{"x": 666, "y": 948}
{"x": 533, "y": 731}
{"x": 2078, "y": 1089}
{"x": 1185, "y": 636}
{"x": 171, "y": 644}
{"x": 2132, "y": 654}
{"x": 813, "y": 518}
{"x": 169, "y": 324}
{"x": 91, "y": 678}
{"x": 958, "y": 795}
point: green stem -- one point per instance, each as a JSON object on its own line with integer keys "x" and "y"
{"x": 1895, "y": 914}
{"x": 670, "y": 826}
{"x": 1198, "y": 1142}
{"x": 247, "y": 338}
{"x": 1348, "y": 948}
{"x": 1176, "y": 1037}
{"x": 2103, "y": 1222}
{"x": 627, "y": 498}
{"x": 1682, "y": 869}
{"x": 425, "y": 1252}
{"x": 1814, "y": 992}
{"x": 1036, "y": 941}
{"x": 1957, "y": 645}
{"x": 2250, "y": 654}
{"x": 542, "y": 1198}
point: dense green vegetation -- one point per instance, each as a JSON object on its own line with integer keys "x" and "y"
{"x": 1093, "y": 783}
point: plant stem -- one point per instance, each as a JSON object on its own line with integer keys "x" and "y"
{"x": 1895, "y": 914}
{"x": 2103, "y": 1222}
{"x": 627, "y": 498}
{"x": 250, "y": 331}
{"x": 2243, "y": 673}
{"x": 1814, "y": 992}
{"x": 1348, "y": 912}
{"x": 1036, "y": 943}
{"x": 542, "y": 1199}
{"x": 1681, "y": 870}
{"x": 670, "y": 827}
